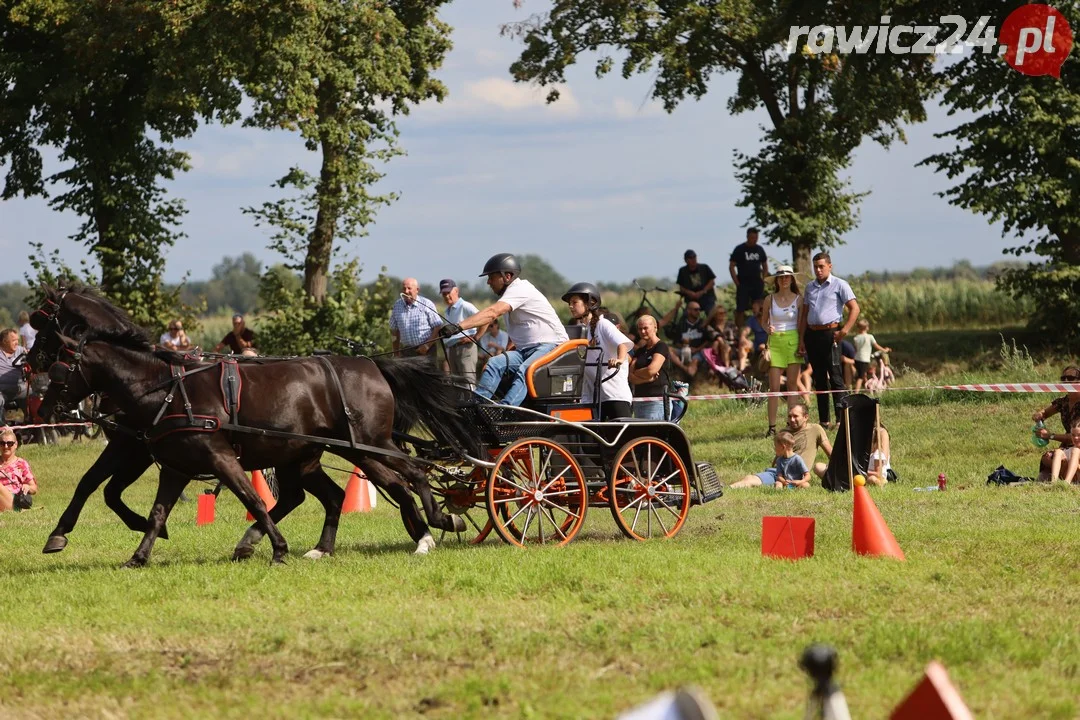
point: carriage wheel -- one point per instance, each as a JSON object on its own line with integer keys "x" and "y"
{"x": 649, "y": 489}
{"x": 465, "y": 499}
{"x": 536, "y": 494}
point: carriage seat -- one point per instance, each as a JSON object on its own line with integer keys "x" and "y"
{"x": 558, "y": 374}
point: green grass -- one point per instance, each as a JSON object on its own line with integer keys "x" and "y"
{"x": 991, "y": 588}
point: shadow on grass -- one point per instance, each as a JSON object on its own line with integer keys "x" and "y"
{"x": 950, "y": 351}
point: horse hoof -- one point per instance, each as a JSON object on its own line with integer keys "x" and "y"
{"x": 133, "y": 563}
{"x": 426, "y": 544}
{"x": 315, "y": 554}
{"x": 278, "y": 560}
{"x": 55, "y": 544}
{"x": 242, "y": 552}
{"x": 459, "y": 523}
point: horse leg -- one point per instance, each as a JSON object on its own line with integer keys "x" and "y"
{"x": 385, "y": 478}
{"x": 228, "y": 470}
{"x": 290, "y": 497}
{"x": 109, "y": 461}
{"x": 332, "y": 497}
{"x": 170, "y": 485}
{"x": 419, "y": 483}
{"x": 121, "y": 480}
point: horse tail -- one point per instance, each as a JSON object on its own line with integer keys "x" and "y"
{"x": 425, "y": 395}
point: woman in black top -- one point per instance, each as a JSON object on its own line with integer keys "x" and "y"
{"x": 648, "y": 377}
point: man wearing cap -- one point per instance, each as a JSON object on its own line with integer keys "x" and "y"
{"x": 696, "y": 282}
{"x": 820, "y": 331}
{"x": 531, "y": 323}
{"x": 241, "y": 340}
{"x": 748, "y": 268}
{"x": 460, "y": 349}
{"x": 413, "y": 322}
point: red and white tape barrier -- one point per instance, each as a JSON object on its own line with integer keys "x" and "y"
{"x": 982, "y": 387}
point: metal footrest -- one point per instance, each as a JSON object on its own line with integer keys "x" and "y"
{"x": 709, "y": 483}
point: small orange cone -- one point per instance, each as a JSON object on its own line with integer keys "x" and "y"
{"x": 261, "y": 487}
{"x": 934, "y": 698}
{"x": 204, "y": 514}
{"x": 869, "y": 533}
{"x": 357, "y": 493}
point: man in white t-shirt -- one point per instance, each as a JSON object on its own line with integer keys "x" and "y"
{"x": 531, "y": 323}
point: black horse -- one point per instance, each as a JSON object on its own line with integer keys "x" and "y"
{"x": 286, "y": 409}
{"x": 73, "y": 311}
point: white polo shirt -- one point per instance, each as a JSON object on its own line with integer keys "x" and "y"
{"x": 608, "y": 340}
{"x": 531, "y": 319}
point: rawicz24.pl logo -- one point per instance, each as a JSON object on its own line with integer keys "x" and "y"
{"x": 1035, "y": 39}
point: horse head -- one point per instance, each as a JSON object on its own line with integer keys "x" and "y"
{"x": 70, "y": 311}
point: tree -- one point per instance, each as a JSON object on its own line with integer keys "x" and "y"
{"x": 337, "y": 72}
{"x": 540, "y": 273}
{"x": 109, "y": 84}
{"x": 820, "y": 105}
{"x": 1018, "y": 163}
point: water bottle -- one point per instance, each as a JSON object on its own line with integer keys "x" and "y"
{"x": 1035, "y": 439}
{"x": 941, "y": 481}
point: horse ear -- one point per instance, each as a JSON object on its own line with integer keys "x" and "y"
{"x": 68, "y": 342}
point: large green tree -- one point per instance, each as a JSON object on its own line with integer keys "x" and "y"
{"x": 338, "y": 72}
{"x": 819, "y": 106}
{"x": 108, "y": 85}
{"x": 1017, "y": 162}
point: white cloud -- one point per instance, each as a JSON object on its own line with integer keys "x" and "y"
{"x": 508, "y": 95}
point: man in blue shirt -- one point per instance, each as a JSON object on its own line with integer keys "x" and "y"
{"x": 460, "y": 349}
{"x": 12, "y": 383}
{"x": 413, "y": 320}
{"x": 748, "y": 267}
{"x": 820, "y": 331}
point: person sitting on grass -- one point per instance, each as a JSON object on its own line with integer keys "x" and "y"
{"x": 1069, "y": 457}
{"x": 788, "y": 469}
{"x": 880, "y": 458}
{"x": 1068, "y": 407}
{"x": 17, "y": 483}
{"x": 808, "y": 438}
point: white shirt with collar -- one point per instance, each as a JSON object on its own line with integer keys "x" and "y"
{"x": 531, "y": 319}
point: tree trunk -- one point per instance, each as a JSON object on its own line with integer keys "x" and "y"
{"x": 800, "y": 255}
{"x": 321, "y": 245}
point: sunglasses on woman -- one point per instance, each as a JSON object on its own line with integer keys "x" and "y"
{"x": 1070, "y": 378}
{"x": 8, "y": 443}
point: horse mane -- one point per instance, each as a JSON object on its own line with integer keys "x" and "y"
{"x": 93, "y": 294}
{"x": 131, "y": 338}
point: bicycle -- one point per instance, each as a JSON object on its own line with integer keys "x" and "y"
{"x": 646, "y": 306}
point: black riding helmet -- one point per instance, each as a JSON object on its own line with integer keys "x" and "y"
{"x": 585, "y": 289}
{"x": 502, "y": 263}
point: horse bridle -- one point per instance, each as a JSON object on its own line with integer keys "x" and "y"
{"x": 46, "y": 315}
{"x": 60, "y": 373}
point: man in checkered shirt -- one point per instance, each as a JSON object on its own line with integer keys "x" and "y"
{"x": 413, "y": 321}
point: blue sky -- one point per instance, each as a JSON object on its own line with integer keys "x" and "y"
{"x": 604, "y": 184}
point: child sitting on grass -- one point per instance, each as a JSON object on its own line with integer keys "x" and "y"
{"x": 1068, "y": 456}
{"x": 788, "y": 468}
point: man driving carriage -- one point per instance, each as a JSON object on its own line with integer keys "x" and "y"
{"x": 532, "y": 325}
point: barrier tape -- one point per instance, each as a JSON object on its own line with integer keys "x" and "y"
{"x": 49, "y": 425}
{"x": 981, "y": 387}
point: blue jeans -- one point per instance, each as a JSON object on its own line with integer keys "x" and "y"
{"x": 649, "y": 409}
{"x": 515, "y": 362}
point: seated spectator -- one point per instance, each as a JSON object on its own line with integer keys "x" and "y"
{"x": 754, "y": 339}
{"x": 175, "y": 338}
{"x": 494, "y": 342}
{"x": 12, "y": 381}
{"x": 808, "y": 438}
{"x": 880, "y": 458}
{"x": 16, "y": 480}
{"x": 865, "y": 345}
{"x": 806, "y": 381}
{"x": 725, "y": 347}
{"x": 880, "y": 377}
{"x": 788, "y": 468}
{"x": 1067, "y": 406}
{"x": 27, "y": 334}
{"x": 648, "y": 376}
{"x": 689, "y": 336}
{"x": 239, "y": 339}
{"x": 1069, "y": 457}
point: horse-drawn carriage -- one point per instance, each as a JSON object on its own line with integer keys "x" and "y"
{"x": 545, "y": 463}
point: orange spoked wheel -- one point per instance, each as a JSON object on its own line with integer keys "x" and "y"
{"x": 536, "y": 494}
{"x": 649, "y": 489}
{"x": 465, "y": 498}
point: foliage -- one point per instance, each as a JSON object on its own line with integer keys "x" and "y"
{"x": 337, "y": 72}
{"x": 232, "y": 287}
{"x": 540, "y": 273}
{"x": 1016, "y": 362}
{"x": 1018, "y": 163}
{"x": 293, "y": 324}
{"x": 820, "y": 107}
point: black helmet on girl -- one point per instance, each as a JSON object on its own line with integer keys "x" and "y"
{"x": 586, "y": 290}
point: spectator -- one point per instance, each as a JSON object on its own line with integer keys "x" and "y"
{"x": 748, "y": 268}
{"x": 820, "y": 331}
{"x": 16, "y": 480}
{"x": 690, "y": 336}
{"x": 461, "y": 352}
{"x": 27, "y": 334}
{"x": 648, "y": 375}
{"x": 865, "y": 344}
{"x": 1068, "y": 407}
{"x": 880, "y": 457}
{"x": 725, "y": 344}
{"x": 754, "y": 340}
{"x": 1069, "y": 456}
{"x": 696, "y": 281}
{"x": 607, "y": 346}
{"x": 12, "y": 384}
{"x": 847, "y": 362}
{"x": 806, "y": 381}
{"x": 495, "y": 339}
{"x": 239, "y": 339}
{"x": 782, "y": 325}
{"x": 175, "y": 338}
{"x": 414, "y": 321}
{"x": 788, "y": 469}
{"x": 808, "y": 438}
{"x": 532, "y": 324}
{"x": 880, "y": 377}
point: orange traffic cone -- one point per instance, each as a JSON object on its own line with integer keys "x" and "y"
{"x": 357, "y": 493}
{"x": 204, "y": 514}
{"x": 869, "y": 533}
{"x": 261, "y": 487}
{"x": 934, "y": 698}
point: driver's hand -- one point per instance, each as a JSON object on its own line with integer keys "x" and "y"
{"x": 449, "y": 330}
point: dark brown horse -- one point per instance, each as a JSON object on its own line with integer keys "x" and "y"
{"x": 353, "y": 401}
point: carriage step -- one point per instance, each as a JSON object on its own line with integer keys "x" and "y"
{"x": 709, "y": 483}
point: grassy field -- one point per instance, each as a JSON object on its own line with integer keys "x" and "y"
{"x": 991, "y": 588}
